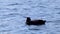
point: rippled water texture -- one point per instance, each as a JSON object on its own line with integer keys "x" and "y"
{"x": 13, "y": 13}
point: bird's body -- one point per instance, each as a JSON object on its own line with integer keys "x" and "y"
{"x": 34, "y": 22}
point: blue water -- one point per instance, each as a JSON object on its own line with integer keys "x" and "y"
{"x": 13, "y": 13}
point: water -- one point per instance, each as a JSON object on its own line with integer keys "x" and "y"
{"x": 13, "y": 13}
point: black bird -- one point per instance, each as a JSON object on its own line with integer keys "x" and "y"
{"x": 34, "y": 22}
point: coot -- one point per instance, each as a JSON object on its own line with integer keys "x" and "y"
{"x": 34, "y": 22}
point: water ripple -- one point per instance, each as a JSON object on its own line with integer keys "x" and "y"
{"x": 9, "y": 15}
{"x": 4, "y": 25}
{"x": 5, "y": 30}
{"x": 58, "y": 13}
{"x": 13, "y": 4}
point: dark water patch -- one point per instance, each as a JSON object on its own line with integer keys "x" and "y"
{"x": 5, "y": 30}
{"x": 29, "y": 1}
{"x": 11, "y": 9}
{"x": 41, "y": 6}
{"x": 57, "y": 9}
{"x": 17, "y": 14}
{"x": 34, "y": 29}
{"x": 4, "y": 25}
{"x": 15, "y": 9}
{"x": 52, "y": 33}
{"x": 9, "y": 15}
{"x": 56, "y": 24}
{"x": 58, "y": 31}
{"x": 13, "y": 4}
{"x": 54, "y": 21}
{"x": 57, "y": 21}
{"x": 5, "y": 9}
{"x": 57, "y": 27}
{"x": 12, "y": 15}
{"x": 48, "y": 21}
{"x": 26, "y": 8}
{"x": 58, "y": 13}
{"x": 33, "y": 6}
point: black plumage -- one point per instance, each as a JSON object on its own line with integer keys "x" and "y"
{"x": 34, "y": 22}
